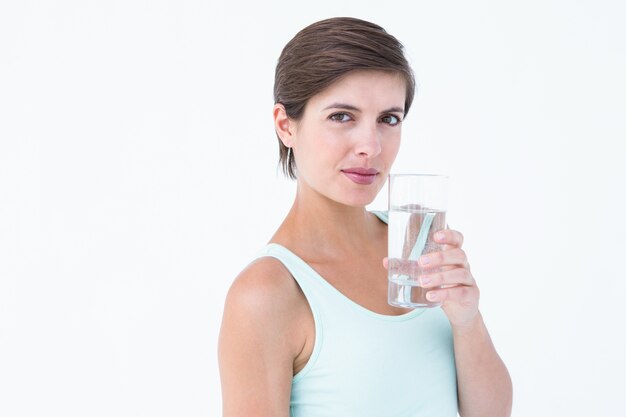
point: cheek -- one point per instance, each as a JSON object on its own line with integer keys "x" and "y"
{"x": 319, "y": 148}
{"x": 391, "y": 148}
{"x": 328, "y": 145}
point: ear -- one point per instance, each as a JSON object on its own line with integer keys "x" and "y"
{"x": 285, "y": 127}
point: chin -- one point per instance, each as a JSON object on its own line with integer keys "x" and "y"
{"x": 361, "y": 199}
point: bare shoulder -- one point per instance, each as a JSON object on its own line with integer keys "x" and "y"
{"x": 264, "y": 300}
{"x": 260, "y": 339}
{"x": 265, "y": 285}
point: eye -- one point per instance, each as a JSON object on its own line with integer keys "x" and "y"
{"x": 340, "y": 117}
{"x": 390, "y": 119}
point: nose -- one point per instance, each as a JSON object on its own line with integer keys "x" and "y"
{"x": 368, "y": 141}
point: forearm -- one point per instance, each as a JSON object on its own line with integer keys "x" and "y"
{"x": 484, "y": 384}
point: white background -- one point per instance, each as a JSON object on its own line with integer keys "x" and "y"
{"x": 138, "y": 177}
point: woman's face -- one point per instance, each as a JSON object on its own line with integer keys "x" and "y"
{"x": 349, "y": 136}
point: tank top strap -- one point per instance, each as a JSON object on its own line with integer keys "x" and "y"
{"x": 303, "y": 274}
{"x": 382, "y": 215}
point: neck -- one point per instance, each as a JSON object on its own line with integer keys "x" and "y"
{"x": 331, "y": 229}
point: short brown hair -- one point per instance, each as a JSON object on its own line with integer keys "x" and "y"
{"x": 326, "y": 51}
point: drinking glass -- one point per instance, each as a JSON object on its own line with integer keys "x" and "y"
{"x": 417, "y": 210}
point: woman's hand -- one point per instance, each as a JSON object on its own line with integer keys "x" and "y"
{"x": 460, "y": 293}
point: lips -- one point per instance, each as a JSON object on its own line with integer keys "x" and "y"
{"x": 363, "y": 176}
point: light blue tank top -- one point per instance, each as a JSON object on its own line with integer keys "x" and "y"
{"x": 368, "y": 364}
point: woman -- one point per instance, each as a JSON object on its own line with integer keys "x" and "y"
{"x": 307, "y": 330}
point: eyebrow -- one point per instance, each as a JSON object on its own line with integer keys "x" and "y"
{"x": 354, "y": 108}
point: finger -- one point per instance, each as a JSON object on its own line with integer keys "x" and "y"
{"x": 445, "y": 257}
{"x": 449, "y": 237}
{"x": 461, "y": 294}
{"x": 386, "y": 262}
{"x": 452, "y": 277}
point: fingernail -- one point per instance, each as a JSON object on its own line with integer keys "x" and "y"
{"x": 431, "y": 295}
{"x": 439, "y": 236}
{"x": 424, "y": 260}
{"x": 425, "y": 280}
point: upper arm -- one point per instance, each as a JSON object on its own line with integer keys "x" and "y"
{"x": 257, "y": 344}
